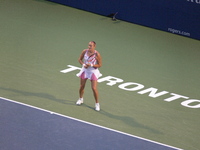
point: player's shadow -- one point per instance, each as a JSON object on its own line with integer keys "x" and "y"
{"x": 39, "y": 95}
{"x": 127, "y": 120}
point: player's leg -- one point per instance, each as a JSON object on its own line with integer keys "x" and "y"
{"x": 82, "y": 86}
{"x": 81, "y": 91}
{"x": 95, "y": 91}
{"x": 96, "y": 94}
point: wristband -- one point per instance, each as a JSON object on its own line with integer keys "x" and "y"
{"x": 91, "y": 65}
{"x": 84, "y": 65}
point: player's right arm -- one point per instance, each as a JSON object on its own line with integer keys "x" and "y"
{"x": 80, "y": 59}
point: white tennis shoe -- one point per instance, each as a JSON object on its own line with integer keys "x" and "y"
{"x": 97, "y": 107}
{"x": 79, "y": 101}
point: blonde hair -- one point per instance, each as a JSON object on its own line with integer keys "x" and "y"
{"x": 93, "y": 42}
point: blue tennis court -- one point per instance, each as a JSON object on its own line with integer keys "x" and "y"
{"x": 26, "y": 127}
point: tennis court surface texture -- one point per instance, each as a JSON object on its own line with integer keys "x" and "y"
{"x": 149, "y": 91}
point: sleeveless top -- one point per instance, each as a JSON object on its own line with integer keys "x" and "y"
{"x": 90, "y": 59}
{"x": 91, "y": 73}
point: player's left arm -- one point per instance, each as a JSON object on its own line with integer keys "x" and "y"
{"x": 99, "y": 61}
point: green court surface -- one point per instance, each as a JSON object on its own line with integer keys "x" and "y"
{"x": 38, "y": 39}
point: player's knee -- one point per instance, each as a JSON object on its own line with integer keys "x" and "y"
{"x": 82, "y": 87}
{"x": 94, "y": 88}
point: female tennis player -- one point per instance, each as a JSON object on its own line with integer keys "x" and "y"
{"x": 90, "y": 59}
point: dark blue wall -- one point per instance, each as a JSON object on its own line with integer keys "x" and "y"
{"x": 176, "y": 16}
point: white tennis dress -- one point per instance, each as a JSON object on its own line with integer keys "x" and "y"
{"x": 91, "y": 73}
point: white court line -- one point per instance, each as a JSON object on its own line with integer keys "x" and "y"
{"x": 89, "y": 123}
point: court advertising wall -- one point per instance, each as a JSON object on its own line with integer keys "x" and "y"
{"x": 180, "y": 17}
